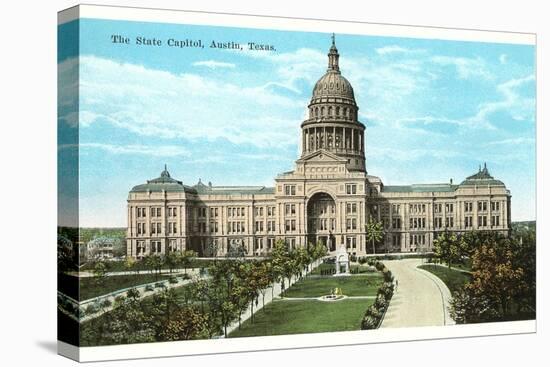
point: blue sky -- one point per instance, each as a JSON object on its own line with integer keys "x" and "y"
{"x": 434, "y": 109}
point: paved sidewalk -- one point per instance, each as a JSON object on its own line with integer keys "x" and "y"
{"x": 421, "y": 298}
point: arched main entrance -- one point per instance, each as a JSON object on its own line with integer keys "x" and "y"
{"x": 321, "y": 220}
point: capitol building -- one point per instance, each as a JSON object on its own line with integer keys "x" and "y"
{"x": 329, "y": 197}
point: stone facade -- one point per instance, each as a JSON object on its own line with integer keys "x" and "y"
{"x": 327, "y": 198}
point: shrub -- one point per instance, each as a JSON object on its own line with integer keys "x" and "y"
{"x": 185, "y": 276}
{"x": 160, "y": 285}
{"x": 148, "y": 288}
{"x": 369, "y": 323}
{"x": 106, "y": 303}
{"x": 388, "y": 277}
{"x": 91, "y": 309}
{"x": 379, "y": 266}
{"x": 120, "y": 299}
{"x": 362, "y": 260}
{"x": 173, "y": 280}
{"x": 133, "y": 293}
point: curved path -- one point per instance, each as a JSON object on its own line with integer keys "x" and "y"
{"x": 421, "y": 298}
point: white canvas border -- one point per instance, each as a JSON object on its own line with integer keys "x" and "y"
{"x": 291, "y": 24}
{"x": 247, "y": 344}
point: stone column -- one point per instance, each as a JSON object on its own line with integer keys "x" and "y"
{"x": 337, "y": 263}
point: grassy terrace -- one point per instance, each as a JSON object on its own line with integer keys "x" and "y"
{"x": 90, "y": 287}
{"x": 140, "y": 265}
{"x": 292, "y": 316}
{"x": 454, "y": 279}
{"x": 311, "y": 316}
{"x": 355, "y": 285}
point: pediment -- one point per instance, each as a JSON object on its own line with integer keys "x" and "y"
{"x": 321, "y": 156}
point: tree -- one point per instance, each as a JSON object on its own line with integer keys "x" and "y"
{"x": 279, "y": 256}
{"x": 186, "y": 258}
{"x": 374, "y": 232}
{"x": 499, "y": 281}
{"x": 447, "y": 246}
{"x": 186, "y": 323}
{"x": 100, "y": 270}
{"x": 264, "y": 278}
{"x": 129, "y": 264}
{"x": 171, "y": 260}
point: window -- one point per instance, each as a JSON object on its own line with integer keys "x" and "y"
{"x": 437, "y": 208}
{"x": 396, "y": 223}
{"x": 395, "y": 208}
{"x": 351, "y": 224}
{"x": 449, "y": 207}
{"x": 259, "y": 244}
{"x": 482, "y": 221}
{"x": 351, "y": 208}
{"x": 438, "y": 222}
{"x": 290, "y": 225}
{"x": 140, "y": 247}
{"x": 259, "y": 226}
{"x": 351, "y": 242}
{"x": 270, "y": 243}
{"x": 290, "y": 242}
{"x": 290, "y": 190}
{"x": 468, "y": 222}
{"x": 449, "y": 222}
{"x": 351, "y": 189}
{"x": 172, "y": 228}
{"x": 481, "y": 206}
{"x": 155, "y": 247}
{"x": 495, "y": 206}
{"x": 495, "y": 220}
{"x": 290, "y": 209}
{"x": 270, "y": 211}
{"x": 468, "y": 207}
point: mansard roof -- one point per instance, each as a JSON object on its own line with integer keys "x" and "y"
{"x": 482, "y": 177}
{"x": 232, "y": 190}
{"x": 162, "y": 183}
{"x": 421, "y": 188}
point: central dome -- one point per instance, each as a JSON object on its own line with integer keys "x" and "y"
{"x": 333, "y": 84}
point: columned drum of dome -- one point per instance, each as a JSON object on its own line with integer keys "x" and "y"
{"x": 332, "y": 122}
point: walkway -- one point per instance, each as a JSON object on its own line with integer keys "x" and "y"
{"x": 421, "y": 298}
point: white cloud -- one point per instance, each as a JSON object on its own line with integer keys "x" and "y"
{"x": 133, "y": 149}
{"x": 514, "y": 141}
{"x": 157, "y": 103}
{"x": 519, "y": 107}
{"x": 392, "y": 49}
{"x": 212, "y": 64}
{"x": 409, "y": 155}
{"x": 466, "y": 68}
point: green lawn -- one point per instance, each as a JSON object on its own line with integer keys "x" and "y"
{"x": 454, "y": 279}
{"x": 90, "y": 287}
{"x": 354, "y": 285}
{"x": 296, "y": 317}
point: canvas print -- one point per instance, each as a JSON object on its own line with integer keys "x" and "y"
{"x": 220, "y": 182}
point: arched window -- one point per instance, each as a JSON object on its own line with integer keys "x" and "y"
{"x": 330, "y": 111}
{"x": 316, "y": 111}
{"x": 322, "y": 111}
{"x": 337, "y": 111}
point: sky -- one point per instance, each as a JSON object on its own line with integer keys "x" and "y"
{"x": 433, "y": 109}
